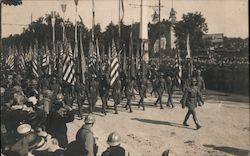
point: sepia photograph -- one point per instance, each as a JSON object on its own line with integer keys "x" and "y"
{"x": 124, "y": 78}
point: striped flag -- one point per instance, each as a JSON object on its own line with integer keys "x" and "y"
{"x": 35, "y": 61}
{"x": 97, "y": 51}
{"x": 11, "y": 58}
{"x": 92, "y": 52}
{"x": 178, "y": 66}
{"x": 68, "y": 70}
{"x": 29, "y": 55}
{"x": 114, "y": 64}
{"x": 45, "y": 59}
{"x": 21, "y": 58}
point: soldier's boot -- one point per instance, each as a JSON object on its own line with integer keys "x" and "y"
{"x": 186, "y": 119}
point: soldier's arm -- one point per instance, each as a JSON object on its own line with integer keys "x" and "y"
{"x": 200, "y": 96}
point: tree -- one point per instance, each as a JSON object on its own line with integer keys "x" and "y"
{"x": 193, "y": 24}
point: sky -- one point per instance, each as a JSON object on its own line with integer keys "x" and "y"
{"x": 223, "y": 16}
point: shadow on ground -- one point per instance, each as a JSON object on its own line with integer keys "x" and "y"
{"x": 229, "y": 150}
{"x": 162, "y": 123}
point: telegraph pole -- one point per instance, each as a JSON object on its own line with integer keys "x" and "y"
{"x": 160, "y": 32}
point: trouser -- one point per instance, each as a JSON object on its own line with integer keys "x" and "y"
{"x": 80, "y": 102}
{"x": 153, "y": 91}
{"x": 128, "y": 104}
{"x": 115, "y": 106}
{"x": 159, "y": 99}
{"x": 104, "y": 103}
{"x": 141, "y": 102}
{"x": 170, "y": 100}
{"x": 191, "y": 111}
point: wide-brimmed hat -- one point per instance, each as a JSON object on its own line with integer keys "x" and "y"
{"x": 23, "y": 129}
{"x": 39, "y": 144}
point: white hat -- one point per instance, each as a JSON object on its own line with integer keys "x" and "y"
{"x": 33, "y": 99}
{"x": 42, "y": 145}
{"x": 53, "y": 145}
{"x": 44, "y": 134}
{"x": 23, "y": 129}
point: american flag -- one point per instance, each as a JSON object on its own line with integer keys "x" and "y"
{"x": 21, "y": 58}
{"x": 35, "y": 61}
{"x": 10, "y": 58}
{"x": 93, "y": 55}
{"x": 114, "y": 64}
{"x": 178, "y": 66}
{"x": 68, "y": 69}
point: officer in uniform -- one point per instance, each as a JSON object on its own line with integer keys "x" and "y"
{"x": 116, "y": 93}
{"x": 85, "y": 137}
{"x": 170, "y": 91}
{"x": 161, "y": 86}
{"x": 114, "y": 149}
{"x": 190, "y": 100}
{"x": 200, "y": 85}
{"x": 129, "y": 92}
{"x": 104, "y": 92}
{"x": 142, "y": 85}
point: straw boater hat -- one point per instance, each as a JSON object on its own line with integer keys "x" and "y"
{"x": 53, "y": 145}
{"x": 45, "y": 135}
{"x": 23, "y": 129}
{"x": 39, "y": 144}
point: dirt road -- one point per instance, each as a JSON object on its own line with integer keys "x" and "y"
{"x": 224, "y": 119}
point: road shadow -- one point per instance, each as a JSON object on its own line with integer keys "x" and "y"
{"x": 229, "y": 150}
{"x": 162, "y": 123}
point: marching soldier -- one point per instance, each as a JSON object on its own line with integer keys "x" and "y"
{"x": 161, "y": 86}
{"x": 129, "y": 92}
{"x": 104, "y": 92}
{"x": 92, "y": 92}
{"x": 154, "y": 85}
{"x": 116, "y": 93}
{"x": 80, "y": 89}
{"x": 200, "y": 85}
{"x": 170, "y": 91}
{"x": 142, "y": 85}
{"x": 190, "y": 100}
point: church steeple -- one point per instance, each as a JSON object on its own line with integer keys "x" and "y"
{"x": 172, "y": 16}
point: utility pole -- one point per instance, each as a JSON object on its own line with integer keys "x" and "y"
{"x": 160, "y": 32}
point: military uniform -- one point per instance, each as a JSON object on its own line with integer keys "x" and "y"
{"x": 80, "y": 88}
{"x": 161, "y": 86}
{"x": 142, "y": 91}
{"x": 85, "y": 138}
{"x": 190, "y": 100}
{"x": 129, "y": 92}
{"x": 104, "y": 91}
{"x": 200, "y": 85}
{"x": 170, "y": 91}
{"x": 116, "y": 93}
{"x": 92, "y": 93}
